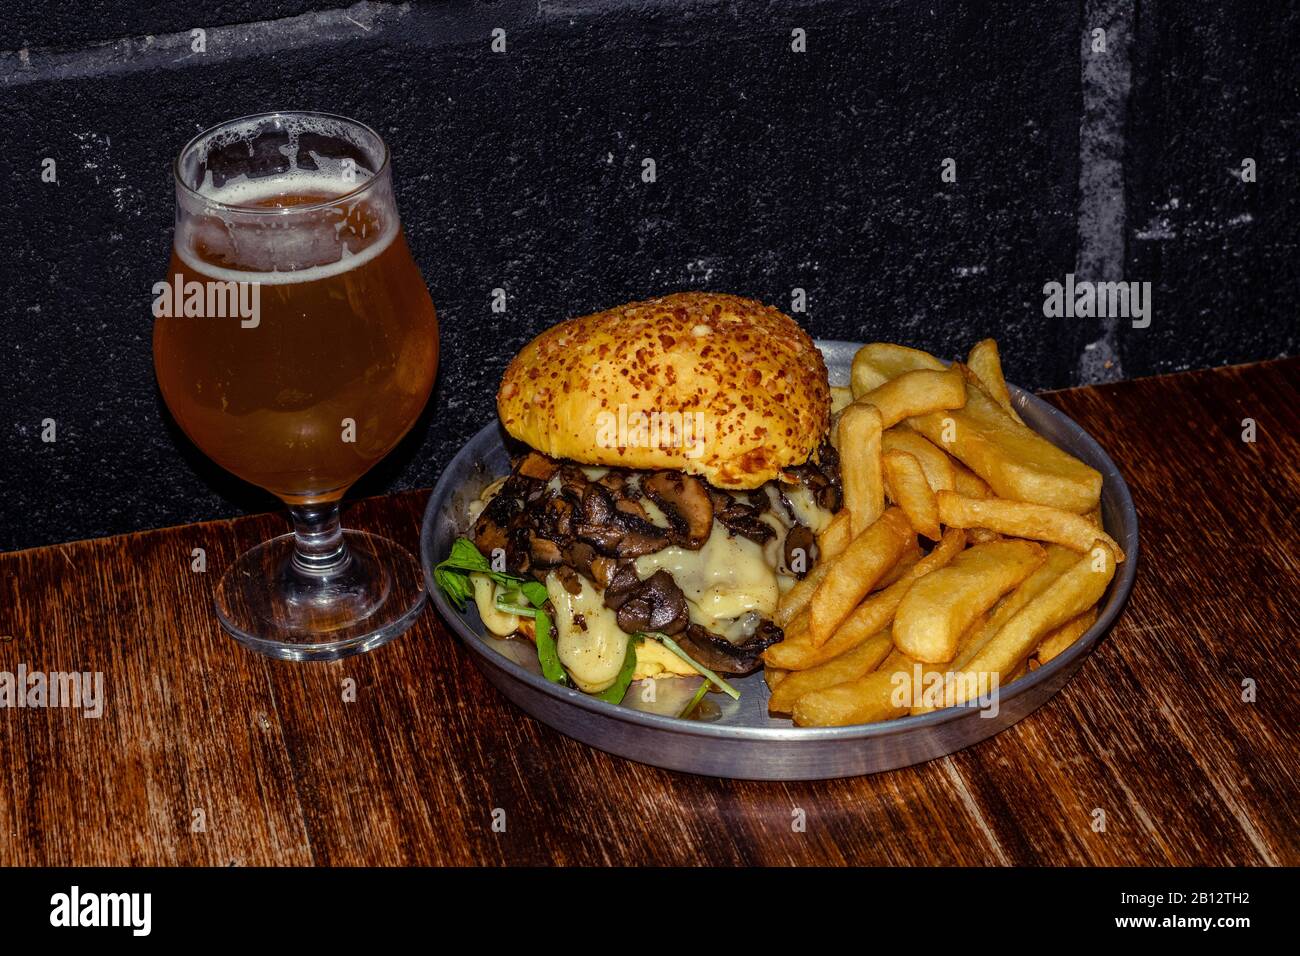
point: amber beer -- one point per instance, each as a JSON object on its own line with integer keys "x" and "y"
{"x": 306, "y": 395}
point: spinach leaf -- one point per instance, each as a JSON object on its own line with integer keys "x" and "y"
{"x": 547, "y": 655}
{"x": 535, "y": 591}
{"x": 614, "y": 693}
{"x": 452, "y": 575}
{"x": 518, "y": 610}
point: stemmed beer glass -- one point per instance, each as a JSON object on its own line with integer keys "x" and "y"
{"x": 295, "y": 343}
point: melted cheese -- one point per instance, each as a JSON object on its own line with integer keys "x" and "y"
{"x": 806, "y": 508}
{"x": 655, "y": 660}
{"x": 593, "y": 656}
{"x": 723, "y": 581}
{"x": 778, "y": 518}
{"x": 486, "y": 495}
{"x": 498, "y": 622}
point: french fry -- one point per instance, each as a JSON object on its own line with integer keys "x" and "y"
{"x": 911, "y": 554}
{"x": 917, "y": 392}
{"x": 797, "y": 652}
{"x": 1065, "y": 635}
{"x": 878, "y": 362}
{"x": 1059, "y": 560}
{"x": 876, "y": 696}
{"x": 1070, "y": 595}
{"x": 1014, "y": 460}
{"x": 859, "y": 446}
{"x": 986, "y": 363}
{"x": 798, "y": 626}
{"x": 899, "y": 682}
{"x": 941, "y": 452}
{"x": 796, "y": 599}
{"x": 896, "y": 659}
{"x": 936, "y": 464}
{"x": 907, "y": 487}
{"x": 841, "y": 398}
{"x": 851, "y": 574}
{"x": 966, "y": 482}
{"x": 879, "y": 695}
{"x": 940, "y": 606}
{"x": 908, "y": 682}
{"x": 836, "y": 535}
{"x": 1022, "y": 520}
{"x": 848, "y": 666}
{"x": 968, "y": 637}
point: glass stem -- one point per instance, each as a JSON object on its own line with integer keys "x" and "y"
{"x": 319, "y": 547}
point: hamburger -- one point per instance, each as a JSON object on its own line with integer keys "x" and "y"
{"x": 673, "y": 470}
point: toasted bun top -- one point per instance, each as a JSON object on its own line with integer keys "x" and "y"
{"x": 713, "y": 385}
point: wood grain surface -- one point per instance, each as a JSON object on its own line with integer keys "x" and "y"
{"x": 1153, "y": 731}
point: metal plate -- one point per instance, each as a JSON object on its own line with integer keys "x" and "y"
{"x": 744, "y": 742}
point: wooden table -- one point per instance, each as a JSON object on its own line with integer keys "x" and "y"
{"x": 1153, "y": 731}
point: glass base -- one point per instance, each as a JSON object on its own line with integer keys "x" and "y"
{"x": 268, "y": 604}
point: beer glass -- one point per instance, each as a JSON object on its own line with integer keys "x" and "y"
{"x": 295, "y": 343}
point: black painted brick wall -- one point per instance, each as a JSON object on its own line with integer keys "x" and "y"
{"x": 775, "y": 170}
{"x": 1213, "y": 87}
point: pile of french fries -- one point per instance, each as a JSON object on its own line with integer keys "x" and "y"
{"x": 969, "y": 549}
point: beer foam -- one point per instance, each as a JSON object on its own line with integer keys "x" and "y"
{"x": 276, "y": 237}
{"x": 293, "y": 125}
{"x": 327, "y": 181}
{"x": 231, "y": 224}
